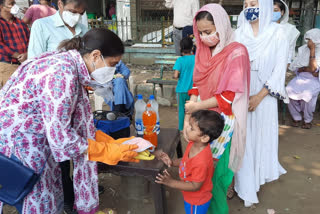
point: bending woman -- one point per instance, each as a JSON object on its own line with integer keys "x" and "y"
{"x": 268, "y": 50}
{"x": 45, "y": 116}
{"x": 221, "y": 83}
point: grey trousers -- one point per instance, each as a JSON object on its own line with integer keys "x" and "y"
{"x": 177, "y": 36}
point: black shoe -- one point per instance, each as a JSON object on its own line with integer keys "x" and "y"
{"x": 68, "y": 209}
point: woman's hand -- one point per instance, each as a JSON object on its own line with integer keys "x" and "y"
{"x": 191, "y": 107}
{"x": 22, "y": 57}
{"x": 311, "y": 44}
{"x": 254, "y": 101}
{"x": 111, "y": 153}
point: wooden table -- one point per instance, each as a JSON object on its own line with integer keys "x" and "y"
{"x": 169, "y": 142}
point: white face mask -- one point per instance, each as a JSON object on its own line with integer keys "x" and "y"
{"x": 71, "y": 19}
{"x": 104, "y": 74}
{"x": 14, "y": 10}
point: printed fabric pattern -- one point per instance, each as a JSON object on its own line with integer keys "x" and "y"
{"x": 220, "y": 144}
{"x": 45, "y": 112}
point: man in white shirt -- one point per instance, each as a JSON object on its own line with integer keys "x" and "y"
{"x": 183, "y": 13}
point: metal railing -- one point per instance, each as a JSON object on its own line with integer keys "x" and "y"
{"x": 147, "y": 30}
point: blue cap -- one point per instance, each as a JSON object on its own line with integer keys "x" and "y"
{"x": 151, "y": 97}
{"x": 139, "y": 96}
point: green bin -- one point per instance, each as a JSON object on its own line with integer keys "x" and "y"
{"x": 91, "y": 15}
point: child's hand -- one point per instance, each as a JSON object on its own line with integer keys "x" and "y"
{"x": 164, "y": 157}
{"x": 165, "y": 179}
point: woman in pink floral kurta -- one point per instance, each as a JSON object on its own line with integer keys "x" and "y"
{"x": 45, "y": 113}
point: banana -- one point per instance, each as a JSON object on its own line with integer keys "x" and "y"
{"x": 145, "y": 155}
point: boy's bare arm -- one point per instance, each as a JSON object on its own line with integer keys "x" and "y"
{"x": 176, "y": 162}
{"x": 167, "y": 180}
{"x": 176, "y": 74}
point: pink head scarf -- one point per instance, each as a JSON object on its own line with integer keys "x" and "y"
{"x": 223, "y": 27}
{"x": 227, "y": 68}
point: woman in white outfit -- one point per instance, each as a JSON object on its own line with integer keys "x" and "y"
{"x": 268, "y": 51}
{"x": 281, "y": 16}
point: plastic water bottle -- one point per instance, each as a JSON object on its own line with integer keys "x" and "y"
{"x": 155, "y": 107}
{"x": 149, "y": 119}
{"x": 139, "y": 107}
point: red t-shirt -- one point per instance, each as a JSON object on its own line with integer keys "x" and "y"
{"x": 197, "y": 169}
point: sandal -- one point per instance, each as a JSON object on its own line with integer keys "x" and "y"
{"x": 231, "y": 192}
{"x": 296, "y": 123}
{"x": 306, "y": 126}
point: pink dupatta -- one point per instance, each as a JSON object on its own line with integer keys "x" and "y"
{"x": 227, "y": 68}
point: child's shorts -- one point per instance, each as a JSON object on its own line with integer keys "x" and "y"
{"x": 196, "y": 209}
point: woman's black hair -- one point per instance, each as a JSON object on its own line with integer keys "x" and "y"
{"x": 78, "y": 3}
{"x": 104, "y": 40}
{"x": 186, "y": 45}
{"x": 280, "y": 4}
{"x": 204, "y": 15}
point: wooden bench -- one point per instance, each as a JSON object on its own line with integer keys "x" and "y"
{"x": 163, "y": 60}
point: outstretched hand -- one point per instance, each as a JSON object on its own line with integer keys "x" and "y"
{"x": 164, "y": 178}
{"x": 111, "y": 153}
{"x": 163, "y": 157}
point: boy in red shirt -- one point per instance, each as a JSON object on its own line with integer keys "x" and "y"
{"x": 196, "y": 166}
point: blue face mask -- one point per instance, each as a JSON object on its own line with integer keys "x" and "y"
{"x": 276, "y": 16}
{"x": 251, "y": 13}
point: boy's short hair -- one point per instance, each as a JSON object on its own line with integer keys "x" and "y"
{"x": 186, "y": 45}
{"x": 210, "y": 123}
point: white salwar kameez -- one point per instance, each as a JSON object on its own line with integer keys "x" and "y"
{"x": 260, "y": 162}
{"x": 291, "y": 32}
{"x": 268, "y": 56}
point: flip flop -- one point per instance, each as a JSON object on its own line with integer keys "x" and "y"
{"x": 296, "y": 123}
{"x": 306, "y": 126}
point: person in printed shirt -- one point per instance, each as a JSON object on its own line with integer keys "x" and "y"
{"x": 14, "y": 39}
{"x": 46, "y": 35}
{"x": 38, "y": 11}
{"x": 196, "y": 166}
{"x": 45, "y": 116}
